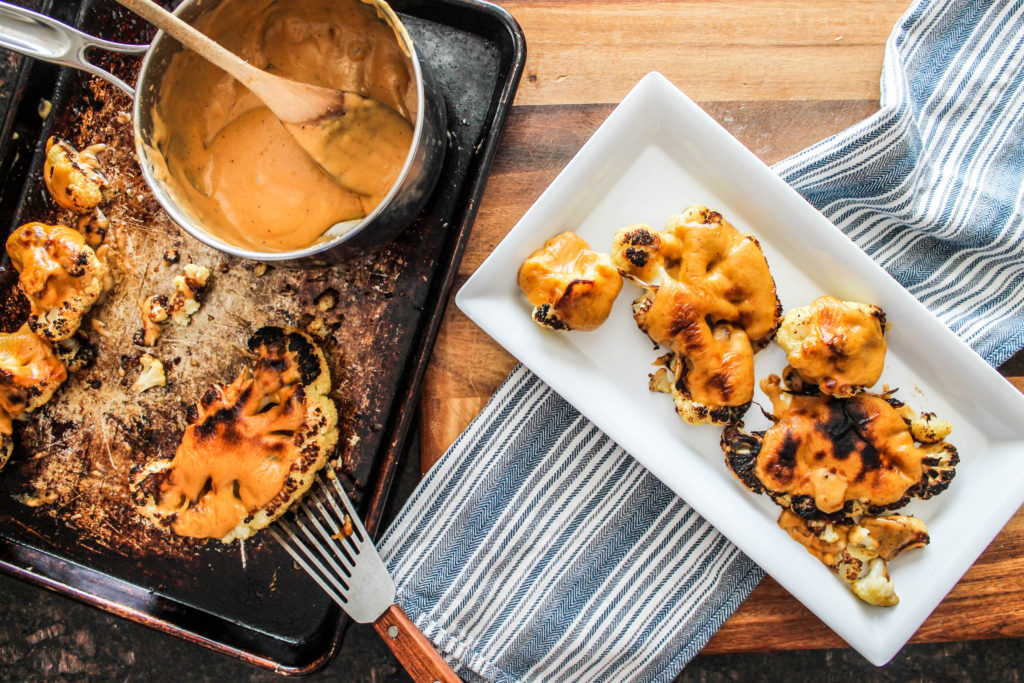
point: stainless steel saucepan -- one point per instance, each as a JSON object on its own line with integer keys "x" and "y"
{"x": 41, "y": 37}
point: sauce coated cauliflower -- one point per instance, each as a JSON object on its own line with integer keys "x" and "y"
{"x": 830, "y": 458}
{"x": 251, "y": 448}
{"x": 570, "y": 286}
{"x": 59, "y": 274}
{"x": 710, "y": 299}
{"x": 838, "y": 345}
{"x": 30, "y": 372}
{"x": 74, "y": 178}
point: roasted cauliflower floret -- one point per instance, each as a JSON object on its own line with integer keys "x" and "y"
{"x": 830, "y": 458}
{"x": 251, "y": 448}
{"x": 838, "y": 345}
{"x": 154, "y": 314}
{"x": 925, "y": 427}
{"x": 152, "y": 374}
{"x": 30, "y": 372}
{"x": 710, "y": 299}
{"x": 59, "y": 274}
{"x": 858, "y": 553}
{"x": 188, "y": 291}
{"x": 74, "y": 178}
{"x": 570, "y": 286}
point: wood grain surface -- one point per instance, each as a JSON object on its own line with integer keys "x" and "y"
{"x": 779, "y": 76}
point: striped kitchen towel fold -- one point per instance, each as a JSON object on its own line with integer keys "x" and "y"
{"x": 537, "y": 549}
{"x": 932, "y": 186}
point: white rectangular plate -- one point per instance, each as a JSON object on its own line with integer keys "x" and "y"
{"x": 656, "y": 154}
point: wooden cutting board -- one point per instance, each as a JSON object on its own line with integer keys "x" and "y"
{"x": 779, "y": 76}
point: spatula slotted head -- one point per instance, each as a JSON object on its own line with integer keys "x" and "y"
{"x": 327, "y": 539}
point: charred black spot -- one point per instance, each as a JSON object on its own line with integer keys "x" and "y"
{"x": 149, "y": 487}
{"x": 545, "y": 316}
{"x": 638, "y": 257}
{"x": 782, "y": 465}
{"x": 223, "y": 422}
{"x": 640, "y": 238}
{"x": 209, "y": 397}
{"x": 570, "y": 290}
{"x": 266, "y": 336}
{"x": 879, "y": 315}
{"x": 720, "y": 382}
{"x": 309, "y": 360}
{"x": 276, "y": 364}
{"x": 842, "y": 428}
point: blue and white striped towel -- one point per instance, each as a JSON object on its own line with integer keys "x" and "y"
{"x": 537, "y": 549}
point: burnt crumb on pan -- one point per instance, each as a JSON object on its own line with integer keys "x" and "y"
{"x": 327, "y": 299}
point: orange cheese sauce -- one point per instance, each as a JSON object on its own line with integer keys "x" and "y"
{"x": 836, "y": 450}
{"x": 29, "y": 372}
{"x": 46, "y": 256}
{"x": 235, "y": 458}
{"x": 711, "y": 299}
{"x": 844, "y": 347}
{"x": 231, "y": 163}
{"x": 577, "y": 282}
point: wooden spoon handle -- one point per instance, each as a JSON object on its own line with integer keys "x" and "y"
{"x": 194, "y": 40}
{"x": 413, "y": 649}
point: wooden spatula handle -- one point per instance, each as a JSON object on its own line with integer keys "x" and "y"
{"x": 412, "y": 648}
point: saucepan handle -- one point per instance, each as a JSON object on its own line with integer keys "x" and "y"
{"x": 37, "y": 35}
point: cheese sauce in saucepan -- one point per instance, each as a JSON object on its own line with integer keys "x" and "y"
{"x": 231, "y": 162}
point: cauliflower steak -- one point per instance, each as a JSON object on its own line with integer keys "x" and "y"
{"x": 251, "y": 448}
{"x": 60, "y": 275}
{"x": 832, "y": 459}
{"x": 569, "y": 285}
{"x": 838, "y": 345}
{"x": 710, "y": 299}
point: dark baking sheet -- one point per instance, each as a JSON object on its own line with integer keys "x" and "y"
{"x": 265, "y": 611}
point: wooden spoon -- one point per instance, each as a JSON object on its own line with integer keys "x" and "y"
{"x": 359, "y": 141}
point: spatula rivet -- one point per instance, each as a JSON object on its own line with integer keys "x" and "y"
{"x": 393, "y": 631}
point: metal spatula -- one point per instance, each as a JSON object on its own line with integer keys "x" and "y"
{"x": 327, "y": 539}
